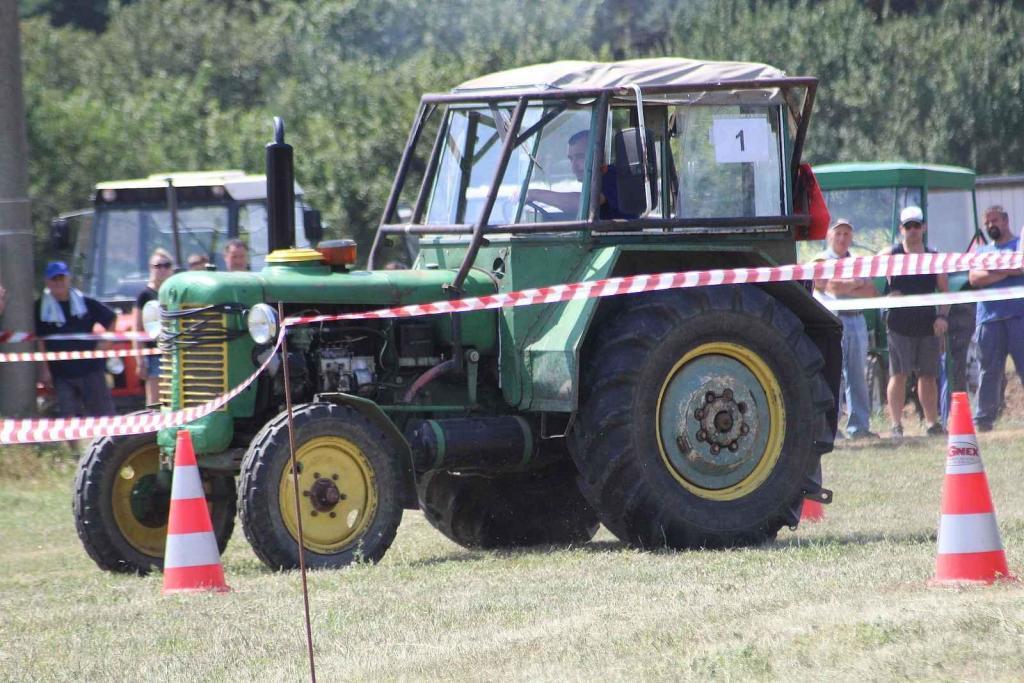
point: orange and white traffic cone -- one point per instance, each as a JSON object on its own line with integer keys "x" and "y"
{"x": 191, "y": 558}
{"x": 970, "y": 549}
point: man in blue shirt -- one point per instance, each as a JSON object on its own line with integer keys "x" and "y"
{"x": 80, "y": 385}
{"x": 1000, "y": 323}
{"x": 569, "y": 201}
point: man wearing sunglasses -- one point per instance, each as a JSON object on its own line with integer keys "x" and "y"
{"x": 80, "y": 385}
{"x": 915, "y": 334}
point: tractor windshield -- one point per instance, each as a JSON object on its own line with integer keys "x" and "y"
{"x": 727, "y": 161}
{"x": 950, "y": 219}
{"x": 114, "y": 251}
{"x": 873, "y": 213}
{"x": 712, "y": 161}
{"x": 540, "y": 162}
{"x": 125, "y": 237}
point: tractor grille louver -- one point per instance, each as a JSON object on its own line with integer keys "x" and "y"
{"x": 194, "y": 350}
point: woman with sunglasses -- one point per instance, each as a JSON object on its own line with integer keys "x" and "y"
{"x": 161, "y": 266}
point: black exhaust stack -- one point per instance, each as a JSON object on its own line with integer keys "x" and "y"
{"x": 280, "y": 191}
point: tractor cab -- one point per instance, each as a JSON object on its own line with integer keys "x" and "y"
{"x": 656, "y": 146}
{"x": 183, "y": 213}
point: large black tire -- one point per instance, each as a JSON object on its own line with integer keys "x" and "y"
{"x": 543, "y": 507}
{"x": 647, "y": 459}
{"x": 121, "y": 508}
{"x": 351, "y": 482}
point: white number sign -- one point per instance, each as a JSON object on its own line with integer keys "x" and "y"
{"x": 741, "y": 140}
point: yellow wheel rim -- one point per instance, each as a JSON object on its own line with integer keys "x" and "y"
{"x": 338, "y": 494}
{"x": 139, "y": 507}
{"x": 721, "y": 421}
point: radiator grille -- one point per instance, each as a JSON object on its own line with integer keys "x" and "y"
{"x": 194, "y": 359}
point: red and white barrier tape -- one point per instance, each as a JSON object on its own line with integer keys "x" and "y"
{"x": 914, "y": 300}
{"x": 8, "y": 337}
{"x": 30, "y": 356}
{"x": 868, "y": 266}
{"x": 67, "y": 428}
{"x": 29, "y": 431}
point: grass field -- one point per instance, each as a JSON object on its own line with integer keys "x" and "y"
{"x": 844, "y": 599}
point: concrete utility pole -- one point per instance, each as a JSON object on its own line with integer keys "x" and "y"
{"x": 17, "y": 380}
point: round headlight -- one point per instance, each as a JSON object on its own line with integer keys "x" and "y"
{"x": 262, "y": 323}
{"x": 151, "y": 318}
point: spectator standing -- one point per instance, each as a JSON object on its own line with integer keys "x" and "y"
{"x": 197, "y": 261}
{"x": 161, "y": 266}
{"x": 855, "y": 330}
{"x": 80, "y": 385}
{"x": 915, "y": 334}
{"x": 236, "y": 255}
{"x": 1000, "y": 324}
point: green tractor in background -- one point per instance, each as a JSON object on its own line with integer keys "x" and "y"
{"x": 682, "y": 419}
{"x": 871, "y": 196}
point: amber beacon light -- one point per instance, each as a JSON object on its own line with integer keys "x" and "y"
{"x": 338, "y": 252}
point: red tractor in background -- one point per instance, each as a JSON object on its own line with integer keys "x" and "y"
{"x": 184, "y": 213}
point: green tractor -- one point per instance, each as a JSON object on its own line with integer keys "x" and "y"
{"x": 684, "y": 419}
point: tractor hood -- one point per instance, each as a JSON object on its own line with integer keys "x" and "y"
{"x": 318, "y": 285}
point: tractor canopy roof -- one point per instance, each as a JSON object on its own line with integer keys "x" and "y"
{"x": 854, "y": 175}
{"x": 666, "y": 71}
{"x": 192, "y": 185}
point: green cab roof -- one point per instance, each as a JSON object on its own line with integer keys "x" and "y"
{"x": 855, "y": 175}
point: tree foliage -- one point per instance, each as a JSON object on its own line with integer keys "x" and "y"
{"x": 184, "y": 85}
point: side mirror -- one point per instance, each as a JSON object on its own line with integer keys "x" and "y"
{"x": 312, "y": 227}
{"x": 631, "y": 173}
{"x": 60, "y": 234}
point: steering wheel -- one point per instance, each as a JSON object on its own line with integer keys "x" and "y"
{"x": 507, "y": 207}
{"x": 539, "y": 208}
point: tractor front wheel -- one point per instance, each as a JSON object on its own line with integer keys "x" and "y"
{"x": 122, "y": 500}
{"x": 349, "y": 489}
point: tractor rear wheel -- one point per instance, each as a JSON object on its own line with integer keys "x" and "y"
{"x": 543, "y": 507}
{"x": 349, "y": 478}
{"x": 703, "y": 417}
{"x": 121, "y": 504}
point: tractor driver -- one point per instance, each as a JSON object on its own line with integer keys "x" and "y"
{"x": 569, "y": 201}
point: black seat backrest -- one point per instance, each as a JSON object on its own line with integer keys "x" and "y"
{"x": 629, "y": 170}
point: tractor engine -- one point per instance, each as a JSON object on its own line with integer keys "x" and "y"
{"x": 369, "y": 359}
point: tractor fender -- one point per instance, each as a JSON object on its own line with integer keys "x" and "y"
{"x": 371, "y": 411}
{"x": 553, "y": 348}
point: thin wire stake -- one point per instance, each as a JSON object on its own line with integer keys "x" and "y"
{"x": 295, "y": 482}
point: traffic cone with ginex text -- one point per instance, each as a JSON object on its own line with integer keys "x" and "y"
{"x": 970, "y": 549}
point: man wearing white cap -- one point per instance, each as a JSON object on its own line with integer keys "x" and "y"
{"x": 915, "y": 334}
{"x": 855, "y": 329}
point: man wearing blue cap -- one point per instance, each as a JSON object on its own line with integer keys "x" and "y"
{"x": 80, "y": 385}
